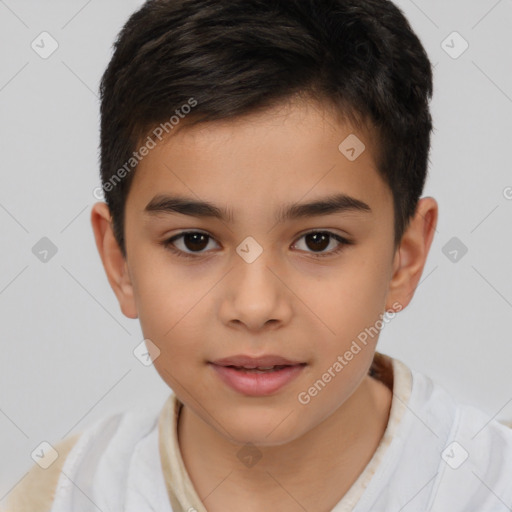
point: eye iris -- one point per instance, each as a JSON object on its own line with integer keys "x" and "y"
{"x": 195, "y": 241}
{"x": 319, "y": 240}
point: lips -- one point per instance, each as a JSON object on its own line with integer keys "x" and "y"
{"x": 257, "y": 376}
{"x": 266, "y": 362}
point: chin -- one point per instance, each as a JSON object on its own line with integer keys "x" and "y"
{"x": 271, "y": 431}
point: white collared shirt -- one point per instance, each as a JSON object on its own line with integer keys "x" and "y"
{"x": 435, "y": 456}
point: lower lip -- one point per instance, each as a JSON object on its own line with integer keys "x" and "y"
{"x": 257, "y": 384}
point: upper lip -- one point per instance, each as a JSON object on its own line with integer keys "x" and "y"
{"x": 246, "y": 361}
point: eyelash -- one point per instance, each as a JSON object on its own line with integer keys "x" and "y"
{"x": 168, "y": 244}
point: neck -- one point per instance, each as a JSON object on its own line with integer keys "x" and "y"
{"x": 316, "y": 468}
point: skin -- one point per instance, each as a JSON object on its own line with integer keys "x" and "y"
{"x": 286, "y": 302}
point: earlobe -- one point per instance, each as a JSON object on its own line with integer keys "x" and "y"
{"x": 412, "y": 254}
{"x": 114, "y": 263}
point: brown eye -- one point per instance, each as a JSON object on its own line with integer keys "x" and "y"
{"x": 195, "y": 241}
{"x": 316, "y": 243}
{"x": 188, "y": 243}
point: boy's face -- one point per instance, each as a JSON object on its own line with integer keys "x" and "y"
{"x": 225, "y": 299}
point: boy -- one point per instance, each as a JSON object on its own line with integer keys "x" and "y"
{"x": 263, "y": 162}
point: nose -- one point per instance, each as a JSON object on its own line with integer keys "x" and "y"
{"x": 255, "y": 296}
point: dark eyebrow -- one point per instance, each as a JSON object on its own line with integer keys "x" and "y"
{"x": 338, "y": 203}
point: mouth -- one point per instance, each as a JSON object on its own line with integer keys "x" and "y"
{"x": 262, "y": 376}
{"x": 268, "y": 369}
{"x": 265, "y": 362}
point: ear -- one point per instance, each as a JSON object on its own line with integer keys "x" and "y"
{"x": 411, "y": 255}
{"x": 112, "y": 258}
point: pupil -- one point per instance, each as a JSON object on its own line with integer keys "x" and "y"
{"x": 319, "y": 240}
{"x": 195, "y": 241}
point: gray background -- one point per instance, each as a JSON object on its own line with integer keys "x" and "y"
{"x": 66, "y": 356}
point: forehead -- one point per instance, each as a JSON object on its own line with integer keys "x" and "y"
{"x": 292, "y": 152}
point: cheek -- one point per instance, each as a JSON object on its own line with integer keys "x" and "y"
{"x": 352, "y": 299}
{"x": 162, "y": 291}
{"x": 171, "y": 307}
